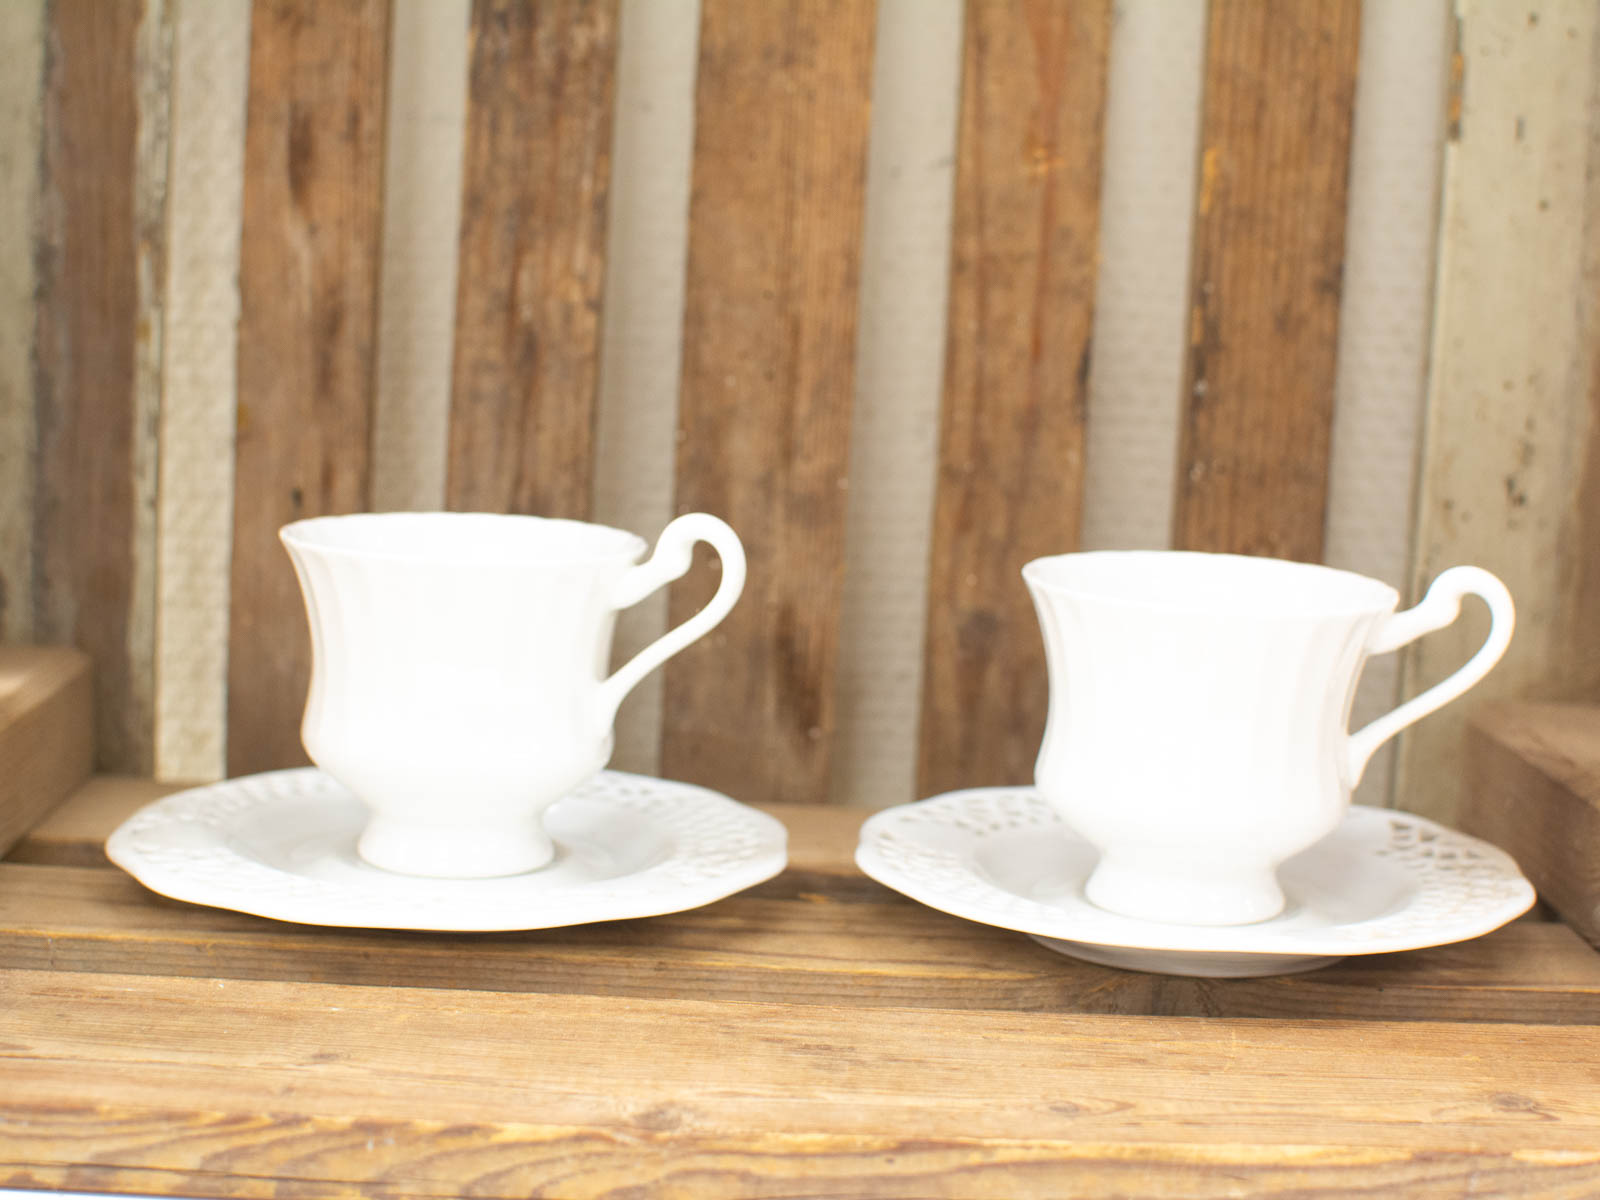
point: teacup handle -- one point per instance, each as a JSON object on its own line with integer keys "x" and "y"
{"x": 1438, "y": 608}
{"x": 674, "y": 553}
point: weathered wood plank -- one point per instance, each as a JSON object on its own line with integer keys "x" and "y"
{"x": 532, "y": 261}
{"x": 73, "y": 834}
{"x": 1531, "y": 788}
{"x": 199, "y": 357}
{"x": 209, "y": 1080}
{"x": 894, "y": 437}
{"x": 100, "y": 266}
{"x": 1510, "y": 478}
{"x": 801, "y": 939}
{"x": 1016, "y": 377}
{"x": 46, "y": 733}
{"x": 1265, "y": 283}
{"x": 647, "y": 238}
{"x": 22, "y": 38}
{"x": 308, "y": 284}
{"x": 781, "y": 119}
{"x": 425, "y": 132}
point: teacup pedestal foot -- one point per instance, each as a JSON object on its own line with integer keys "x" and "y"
{"x": 450, "y": 852}
{"x": 1184, "y": 893}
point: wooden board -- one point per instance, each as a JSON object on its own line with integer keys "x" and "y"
{"x": 1022, "y": 281}
{"x": 199, "y": 352}
{"x": 532, "y": 260}
{"x": 308, "y": 284}
{"x": 817, "y": 933}
{"x": 257, "y": 1088}
{"x": 1533, "y": 789}
{"x": 90, "y": 448}
{"x": 1265, "y": 282}
{"x": 1510, "y": 477}
{"x": 22, "y": 40}
{"x": 773, "y": 270}
{"x": 46, "y": 733}
{"x": 818, "y": 1035}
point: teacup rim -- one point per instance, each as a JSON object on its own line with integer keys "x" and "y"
{"x": 1384, "y": 597}
{"x": 625, "y": 545}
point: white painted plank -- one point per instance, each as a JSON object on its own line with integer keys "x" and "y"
{"x": 1386, "y": 317}
{"x": 22, "y": 50}
{"x": 201, "y": 308}
{"x": 1509, "y": 428}
{"x": 1153, "y": 87}
{"x": 894, "y": 447}
{"x": 425, "y": 132}
{"x": 641, "y": 339}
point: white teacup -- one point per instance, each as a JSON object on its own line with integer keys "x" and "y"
{"x": 459, "y": 681}
{"x": 1198, "y": 711}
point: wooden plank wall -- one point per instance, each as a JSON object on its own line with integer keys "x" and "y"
{"x": 781, "y": 115}
{"x": 1265, "y": 285}
{"x": 307, "y": 354}
{"x": 1010, "y": 484}
{"x": 152, "y": 509}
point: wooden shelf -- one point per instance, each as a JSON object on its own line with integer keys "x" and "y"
{"x": 818, "y": 1035}
{"x": 818, "y": 1029}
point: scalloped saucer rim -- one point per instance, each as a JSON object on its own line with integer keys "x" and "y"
{"x": 281, "y": 845}
{"x": 1384, "y": 881}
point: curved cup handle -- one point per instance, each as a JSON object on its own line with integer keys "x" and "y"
{"x": 673, "y": 555}
{"x": 1438, "y": 608}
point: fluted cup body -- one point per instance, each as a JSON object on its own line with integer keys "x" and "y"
{"x": 459, "y": 681}
{"x": 1197, "y": 720}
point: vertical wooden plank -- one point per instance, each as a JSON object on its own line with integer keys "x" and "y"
{"x": 1386, "y": 318}
{"x": 101, "y": 266}
{"x": 1265, "y": 283}
{"x": 532, "y": 259}
{"x": 894, "y": 437}
{"x": 211, "y": 63}
{"x": 1511, "y": 468}
{"x": 1016, "y": 377}
{"x": 22, "y": 26}
{"x": 781, "y": 116}
{"x": 1154, "y": 80}
{"x": 152, "y": 164}
{"x": 424, "y": 133}
{"x": 641, "y": 342}
{"x": 308, "y": 285}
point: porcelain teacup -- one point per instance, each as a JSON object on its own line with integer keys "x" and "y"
{"x": 1198, "y": 708}
{"x": 459, "y": 682}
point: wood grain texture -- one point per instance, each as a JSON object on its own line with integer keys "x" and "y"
{"x": 1510, "y": 476}
{"x": 1532, "y": 787}
{"x": 1266, "y": 277}
{"x": 308, "y": 286}
{"x": 92, "y": 451}
{"x": 820, "y": 934}
{"x": 74, "y": 832}
{"x": 807, "y": 938}
{"x": 773, "y": 274}
{"x": 231, "y": 1084}
{"x": 1022, "y": 284}
{"x": 532, "y": 261}
{"x": 46, "y": 733}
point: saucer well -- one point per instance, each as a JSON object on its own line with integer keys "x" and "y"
{"x": 283, "y": 845}
{"x": 1383, "y": 881}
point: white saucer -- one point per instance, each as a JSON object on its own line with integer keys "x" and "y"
{"x": 283, "y": 845}
{"x": 1383, "y": 881}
